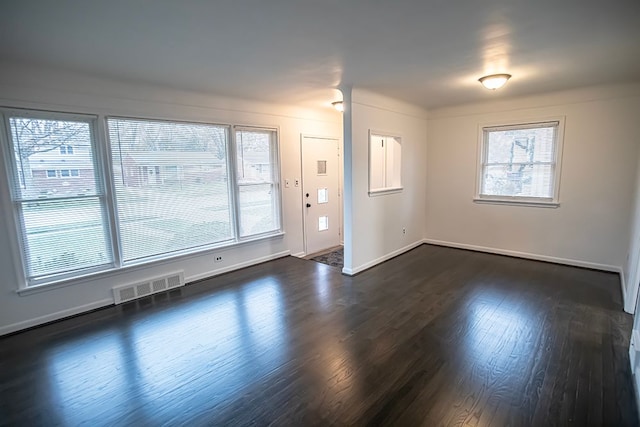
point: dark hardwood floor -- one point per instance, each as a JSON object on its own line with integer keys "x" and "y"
{"x": 437, "y": 336}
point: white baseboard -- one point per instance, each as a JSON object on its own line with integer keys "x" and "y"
{"x": 14, "y": 327}
{"x": 634, "y": 349}
{"x": 237, "y": 266}
{"x": 299, "y": 254}
{"x": 527, "y": 255}
{"x": 365, "y": 266}
{"x": 628, "y": 305}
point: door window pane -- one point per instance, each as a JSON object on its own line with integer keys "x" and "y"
{"x": 323, "y": 223}
{"x": 323, "y": 195}
{"x": 322, "y": 167}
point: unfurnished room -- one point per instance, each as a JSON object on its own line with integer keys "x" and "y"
{"x": 290, "y": 213}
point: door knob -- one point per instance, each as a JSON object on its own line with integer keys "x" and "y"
{"x": 308, "y": 205}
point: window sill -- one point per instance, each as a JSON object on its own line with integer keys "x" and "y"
{"x": 516, "y": 202}
{"x": 383, "y": 191}
{"x": 112, "y": 271}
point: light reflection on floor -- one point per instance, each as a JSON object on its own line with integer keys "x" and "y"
{"x": 245, "y": 340}
{"x": 492, "y": 321}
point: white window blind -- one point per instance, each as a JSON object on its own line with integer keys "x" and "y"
{"x": 520, "y": 161}
{"x": 172, "y": 186}
{"x": 173, "y": 190}
{"x": 61, "y": 215}
{"x": 257, "y": 185}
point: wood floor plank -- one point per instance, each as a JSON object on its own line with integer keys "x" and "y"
{"x": 436, "y": 336}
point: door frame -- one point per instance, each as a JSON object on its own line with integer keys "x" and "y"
{"x": 338, "y": 140}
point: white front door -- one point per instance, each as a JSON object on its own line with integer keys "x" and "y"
{"x": 321, "y": 193}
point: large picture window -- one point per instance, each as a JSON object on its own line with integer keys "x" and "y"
{"x": 171, "y": 184}
{"x": 160, "y": 190}
{"x": 61, "y": 217}
{"x": 520, "y": 163}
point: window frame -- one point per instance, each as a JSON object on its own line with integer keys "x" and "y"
{"x": 556, "y": 163}
{"x": 168, "y": 256}
{"x": 274, "y": 158}
{"x": 19, "y": 245}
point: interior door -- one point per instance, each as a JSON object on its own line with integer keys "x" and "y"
{"x": 321, "y": 193}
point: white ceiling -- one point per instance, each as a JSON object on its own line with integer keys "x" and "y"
{"x": 428, "y": 52}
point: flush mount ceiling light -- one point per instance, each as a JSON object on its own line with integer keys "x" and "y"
{"x": 494, "y": 81}
{"x": 338, "y": 105}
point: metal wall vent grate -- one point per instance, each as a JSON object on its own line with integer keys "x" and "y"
{"x": 175, "y": 280}
{"x": 159, "y": 285}
{"x": 137, "y": 290}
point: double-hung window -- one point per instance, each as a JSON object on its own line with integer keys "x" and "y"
{"x": 62, "y": 220}
{"x": 520, "y": 163}
{"x": 256, "y": 180}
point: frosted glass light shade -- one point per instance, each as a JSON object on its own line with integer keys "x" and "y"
{"x": 494, "y": 81}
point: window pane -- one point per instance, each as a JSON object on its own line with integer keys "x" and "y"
{"x": 258, "y": 194}
{"x": 64, "y": 235}
{"x": 171, "y": 185}
{"x": 521, "y": 145}
{"x": 45, "y": 145}
{"x": 258, "y": 212}
{"x": 521, "y": 180}
{"x": 254, "y": 156}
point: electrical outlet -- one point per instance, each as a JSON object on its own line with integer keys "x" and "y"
{"x": 297, "y": 183}
{"x": 218, "y": 258}
{"x": 404, "y": 230}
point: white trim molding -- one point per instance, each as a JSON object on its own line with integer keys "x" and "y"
{"x": 15, "y": 327}
{"x": 368, "y": 265}
{"x": 527, "y": 255}
{"x": 626, "y": 302}
{"x": 59, "y": 315}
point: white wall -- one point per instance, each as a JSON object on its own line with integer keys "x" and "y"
{"x": 632, "y": 266}
{"x": 373, "y": 224}
{"x": 46, "y": 89}
{"x": 598, "y": 179}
